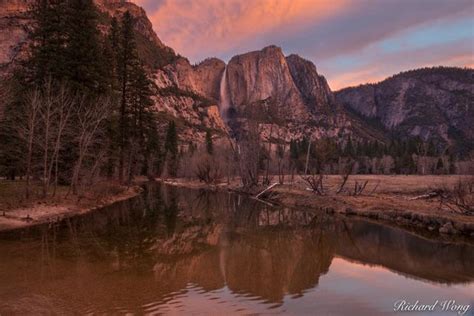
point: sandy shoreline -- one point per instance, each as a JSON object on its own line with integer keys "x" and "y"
{"x": 44, "y": 213}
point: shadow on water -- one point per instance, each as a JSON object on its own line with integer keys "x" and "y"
{"x": 143, "y": 253}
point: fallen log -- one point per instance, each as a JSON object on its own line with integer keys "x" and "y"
{"x": 266, "y": 190}
{"x": 427, "y": 196}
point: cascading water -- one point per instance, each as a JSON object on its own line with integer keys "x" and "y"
{"x": 224, "y": 97}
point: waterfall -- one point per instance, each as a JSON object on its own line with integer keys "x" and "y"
{"x": 224, "y": 97}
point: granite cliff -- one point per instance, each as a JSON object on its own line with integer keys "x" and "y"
{"x": 429, "y": 103}
{"x": 433, "y": 104}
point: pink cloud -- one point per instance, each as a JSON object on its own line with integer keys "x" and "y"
{"x": 207, "y": 28}
{"x": 319, "y": 30}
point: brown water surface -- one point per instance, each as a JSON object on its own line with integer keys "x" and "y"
{"x": 179, "y": 251}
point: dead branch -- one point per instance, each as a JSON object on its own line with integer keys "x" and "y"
{"x": 375, "y": 188}
{"x": 359, "y": 187}
{"x": 315, "y": 182}
{"x": 344, "y": 181}
{"x": 461, "y": 198}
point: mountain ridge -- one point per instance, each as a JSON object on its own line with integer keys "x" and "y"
{"x": 429, "y": 103}
{"x": 191, "y": 94}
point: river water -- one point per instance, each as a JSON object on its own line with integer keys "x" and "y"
{"x": 180, "y": 251}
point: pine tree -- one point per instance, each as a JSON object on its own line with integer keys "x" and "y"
{"x": 209, "y": 144}
{"x": 440, "y": 166}
{"x": 47, "y": 43}
{"x": 349, "y": 150}
{"x": 125, "y": 59}
{"x": 171, "y": 149}
{"x": 83, "y": 58}
{"x": 432, "y": 149}
{"x": 11, "y": 147}
{"x": 452, "y": 164}
{"x": 294, "y": 154}
{"x": 65, "y": 46}
{"x": 141, "y": 112}
{"x": 136, "y": 122}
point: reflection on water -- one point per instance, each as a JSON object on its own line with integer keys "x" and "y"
{"x": 179, "y": 251}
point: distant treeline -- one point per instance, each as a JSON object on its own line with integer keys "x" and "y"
{"x": 412, "y": 156}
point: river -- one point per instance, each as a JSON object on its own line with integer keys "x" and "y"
{"x": 181, "y": 251}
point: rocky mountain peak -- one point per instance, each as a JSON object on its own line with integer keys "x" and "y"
{"x": 312, "y": 86}
{"x": 430, "y": 103}
{"x": 143, "y": 25}
{"x": 260, "y": 75}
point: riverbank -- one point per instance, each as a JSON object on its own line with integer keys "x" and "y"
{"x": 16, "y": 212}
{"x": 389, "y": 199}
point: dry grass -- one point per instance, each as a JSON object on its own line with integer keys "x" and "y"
{"x": 20, "y": 212}
{"x": 396, "y": 184}
{"x": 12, "y": 195}
{"x": 392, "y": 193}
{"x": 383, "y": 193}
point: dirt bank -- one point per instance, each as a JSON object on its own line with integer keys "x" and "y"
{"x": 50, "y": 211}
{"x": 387, "y": 198}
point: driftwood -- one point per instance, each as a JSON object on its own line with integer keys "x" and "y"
{"x": 427, "y": 196}
{"x": 266, "y": 190}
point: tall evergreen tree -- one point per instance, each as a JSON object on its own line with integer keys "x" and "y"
{"x": 142, "y": 119}
{"x": 171, "y": 149}
{"x": 349, "y": 150}
{"x": 47, "y": 43}
{"x": 126, "y": 59}
{"x": 83, "y": 58}
{"x": 440, "y": 166}
{"x": 209, "y": 144}
{"x": 65, "y": 46}
{"x": 136, "y": 120}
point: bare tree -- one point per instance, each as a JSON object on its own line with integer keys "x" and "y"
{"x": 359, "y": 187}
{"x": 91, "y": 115}
{"x": 64, "y": 105}
{"x": 208, "y": 170}
{"x": 280, "y": 161}
{"x": 459, "y": 199}
{"x": 26, "y": 125}
{"x": 315, "y": 182}
{"x": 347, "y": 172}
{"x": 47, "y": 114}
{"x": 249, "y": 154}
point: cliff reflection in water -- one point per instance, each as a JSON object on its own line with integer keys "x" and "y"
{"x": 142, "y": 253}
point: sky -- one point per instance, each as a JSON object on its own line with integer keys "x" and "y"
{"x": 350, "y": 41}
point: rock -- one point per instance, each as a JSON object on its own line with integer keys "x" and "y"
{"x": 447, "y": 229}
{"x": 203, "y": 79}
{"x": 396, "y": 103}
{"x": 313, "y": 87}
{"x": 291, "y": 85}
